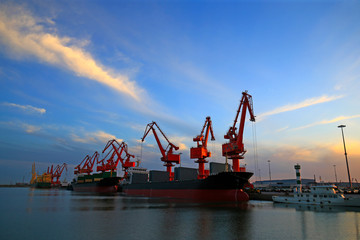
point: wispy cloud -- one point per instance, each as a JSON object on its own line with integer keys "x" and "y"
{"x": 282, "y": 129}
{"x": 26, "y": 108}
{"x": 94, "y": 137}
{"x": 306, "y": 103}
{"x": 337, "y": 119}
{"x": 25, "y": 35}
{"x": 18, "y": 125}
{"x": 30, "y": 128}
{"x": 150, "y": 145}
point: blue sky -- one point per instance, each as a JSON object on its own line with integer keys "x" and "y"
{"x": 75, "y": 74}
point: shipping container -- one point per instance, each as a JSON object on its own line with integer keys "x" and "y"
{"x": 183, "y": 173}
{"x": 216, "y": 167}
{"x": 158, "y": 176}
{"x": 138, "y": 177}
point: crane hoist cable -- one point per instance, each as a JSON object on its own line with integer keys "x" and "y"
{"x": 256, "y": 162}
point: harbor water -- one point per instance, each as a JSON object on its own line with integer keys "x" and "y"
{"x": 60, "y": 214}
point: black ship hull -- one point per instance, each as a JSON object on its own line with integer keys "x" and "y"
{"x": 222, "y": 187}
{"x": 105, "y": 185}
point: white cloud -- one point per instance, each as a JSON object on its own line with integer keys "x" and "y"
{"x": 26, "y": 108}
{"x": 25, "y": 36}
{"x": 306, "y": 103}
{"x": 95, "y": 137}
{"x": 180, "y": 142}
{"x": 337, "y": 119}
{"x": 182, "y": 146}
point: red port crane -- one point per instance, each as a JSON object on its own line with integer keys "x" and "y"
{"x": 50, "y": 170}
{"x": 235, "y": 148}
{"x": 87, "y": 164}
{"x": 168, "y": 157}
{"x": 200, "y": 152}
{"x": 58, "y": 170}
{"x": 114, "y": 156}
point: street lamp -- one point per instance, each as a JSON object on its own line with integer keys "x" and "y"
{"x": 347, "y": 164}
{"x": 269, "y": 170}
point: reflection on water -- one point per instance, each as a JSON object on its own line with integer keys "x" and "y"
{"x": 316, "y": 208}
{"x": 68, "y": 215}
{"x": 164, "y": 218}
{"x": 86, "y": 202}
{"x": 331, "y": 217}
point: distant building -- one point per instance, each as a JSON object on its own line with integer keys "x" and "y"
{"x": 283, "y": 183}
{"x": 289, "y": 184}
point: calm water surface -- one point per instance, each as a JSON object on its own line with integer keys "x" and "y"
{"x": 59, "y": 214}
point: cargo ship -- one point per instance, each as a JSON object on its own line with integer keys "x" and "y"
{"x": 218, "y": 187}
{"x": 43, "y": 181}
{"x": 106, "y": 179}
{"x": 106, "y": 182}
{"x": 49, "y": 179}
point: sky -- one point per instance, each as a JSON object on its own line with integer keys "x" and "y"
{"x": 76, "y": 74}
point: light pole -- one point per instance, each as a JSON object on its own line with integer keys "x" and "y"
{"x": 269, "y": 170}
{"x": 335, "y": 174}
{"x": 347, "y": 164}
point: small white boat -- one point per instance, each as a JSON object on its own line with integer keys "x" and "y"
{"x": 319, "y": 195}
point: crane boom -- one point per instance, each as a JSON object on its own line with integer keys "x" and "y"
{"x": 114, "y": 156}
{"x": 50, "y": 170}
{"x": 200, "y": 152}
{"x": 125, "y": 161}
{"x": 235, "y": 148}
{"x": 168, "y": 157}
{"x": 80, "y": 166}
{"x": 87, "y": 164}
{"x": 57, "y": 173}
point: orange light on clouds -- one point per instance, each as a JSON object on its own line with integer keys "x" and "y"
{"x": 352, "y": 147}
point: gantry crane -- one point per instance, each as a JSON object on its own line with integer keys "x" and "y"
{"x": 57, "y": 173}
{"x": 114, "y": 156}
{"x": 200, "y": 152}
{"x": 87, "y": 164}
{"x": 234, "y": 149}
{"x": 168, "y": 157}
